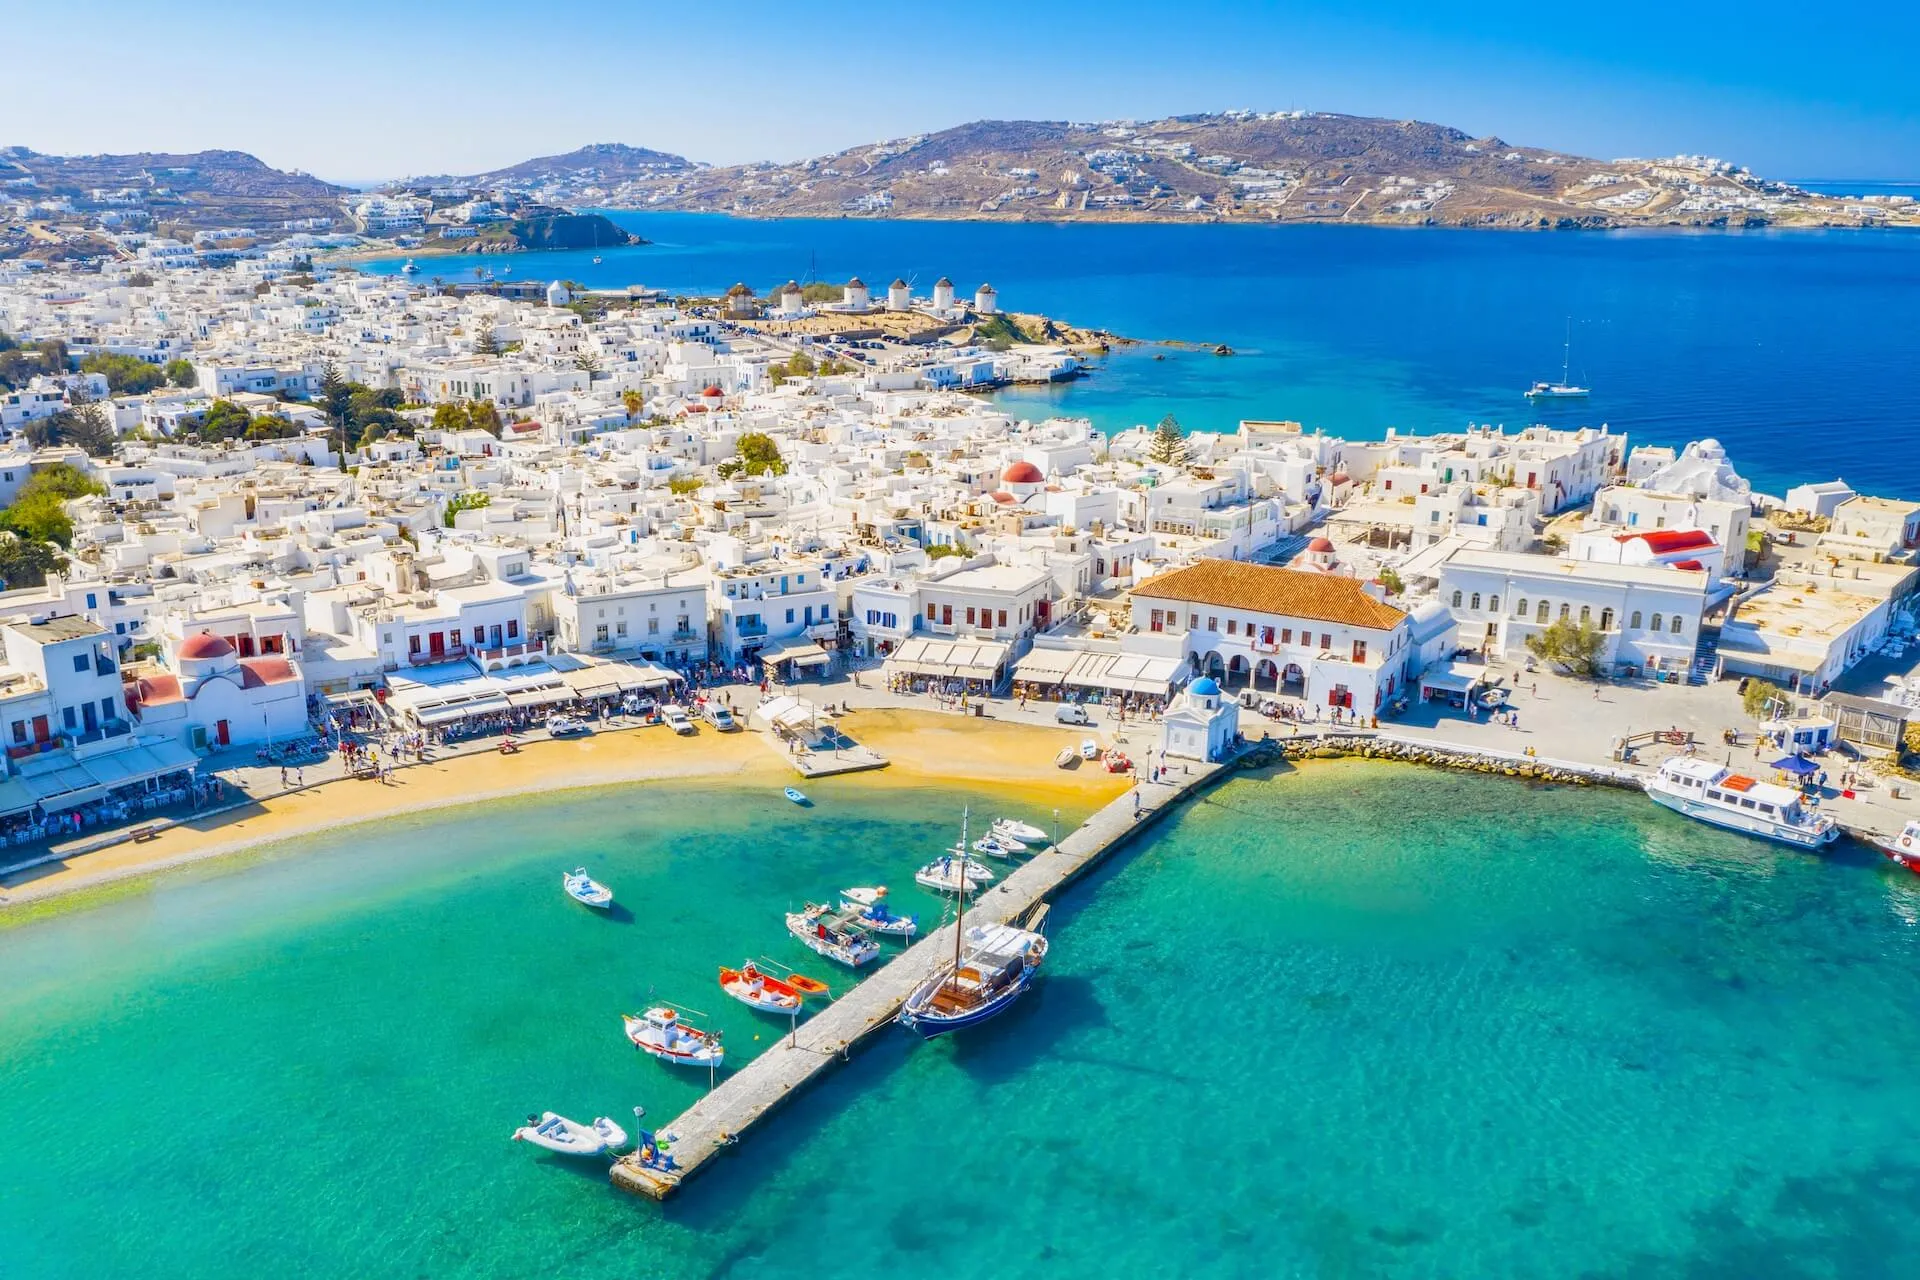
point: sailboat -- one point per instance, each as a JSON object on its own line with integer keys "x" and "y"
{"x": 1563, "y": 389}
{"x": 992, "y": 966}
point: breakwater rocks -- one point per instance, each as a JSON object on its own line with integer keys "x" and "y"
{"x": 1339, "y": 746}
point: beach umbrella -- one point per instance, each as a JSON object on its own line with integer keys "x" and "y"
{"x": 1798, "y": 765}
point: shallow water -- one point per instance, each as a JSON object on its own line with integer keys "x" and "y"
{"x": 1364, "y": 1020}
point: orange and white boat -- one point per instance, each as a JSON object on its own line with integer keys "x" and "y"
{"x": 762, "y": 991}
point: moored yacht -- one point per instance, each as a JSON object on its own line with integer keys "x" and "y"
{"x": 993, "y": 966}
{"x": 660, "y": 1032}
{"x": 1715, "y": 793}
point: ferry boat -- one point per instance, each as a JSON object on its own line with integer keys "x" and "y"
{"x": 875, "y": 915}
{"x": 837, "y": 935}
{"x": 408, "y": 269}
{"x": 1902, "y": 850}
{"x": 585, "y": 890}
{"x": 660, "y": 1032}
{"x": 1715, "y": 793}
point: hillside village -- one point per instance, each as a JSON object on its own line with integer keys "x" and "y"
{"x": 294, "y": 493}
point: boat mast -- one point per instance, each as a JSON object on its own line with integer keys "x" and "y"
{"x": 1566, "y": 353}
{"x": 966, "y": 883}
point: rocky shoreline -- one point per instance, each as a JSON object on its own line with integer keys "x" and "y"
{"x": 1273, "y": 751}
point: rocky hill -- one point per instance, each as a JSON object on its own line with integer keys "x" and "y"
{"x": 196, "y": 190}
{"x": 1243, "y": 166}
{"x": 600, "y": 162}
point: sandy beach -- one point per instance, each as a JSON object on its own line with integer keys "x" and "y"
{"x": 924, "y": 748}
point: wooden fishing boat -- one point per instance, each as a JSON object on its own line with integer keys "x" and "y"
{"x": 758, "y": 990}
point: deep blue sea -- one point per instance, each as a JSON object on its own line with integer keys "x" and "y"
{"x": 1798, "y": 350}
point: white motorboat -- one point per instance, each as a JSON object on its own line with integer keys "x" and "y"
{"x": 998, "y": 846}
{"x": 1025, "y": 832}
{"x": 570, "y": 1137}
{"x": 1089, "y": 749}
{"x": 660, "y": 1032}
{"x": 587, "y": 891}
{"x": 875, "y": 915}
{"x": 950, "y": 874}
{"x": 837, "y": 935}
{"x": 1715, "y": 793}
{"x": 1067, "y": 758}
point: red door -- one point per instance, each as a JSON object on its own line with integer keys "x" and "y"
{"x": 436, "y": 643}
{"x": 220, "y": 731}
{"x": 41, "y": 729}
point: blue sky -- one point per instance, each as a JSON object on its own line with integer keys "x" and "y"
{"x": 357, "y": 90}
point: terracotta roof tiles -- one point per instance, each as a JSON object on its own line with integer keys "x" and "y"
{"x": 1230, "y": 584}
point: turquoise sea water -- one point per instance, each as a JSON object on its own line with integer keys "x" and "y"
{"x": 1360, "y": 1021}
{"x": 1793, "y": 348}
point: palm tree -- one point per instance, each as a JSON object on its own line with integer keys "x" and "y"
{"x": 633, "y": 402}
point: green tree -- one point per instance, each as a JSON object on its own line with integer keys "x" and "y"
{"x": 181, "y": 373}
{"x": 1169, "y": 444}
{"x": 26, "y": 562}
{"x": 759, "y": 455}
{"x": 125, "y": 375}
{"x": 1391, "y": 581}
{"x": 82, "y": 424}
{"x": 451, "y": 417}
{"x": 484, "y": 415}
{"x": 271, "y": 426}
{"x": 140, "y": 280}
{"x": 484, "y": 343}
{"x": 222, "y": 420}
{"x": 464, "y": 502}
{"x": 684, "y": 485}
{"x": 588, "y": 363}
{"x": 41, "y": 518}
{"x": 633, "y": 402}
{"x": 1573, "y": 645}
{"x": 336, "y": 401}
{"x": 1757, "y": 698}
{"x": 63, "y": 481}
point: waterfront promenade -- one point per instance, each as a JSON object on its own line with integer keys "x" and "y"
{"x": 743, "y": 1098}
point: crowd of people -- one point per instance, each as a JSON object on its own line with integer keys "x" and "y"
{"x": 123, "y": 805}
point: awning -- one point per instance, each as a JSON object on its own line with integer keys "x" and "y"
{"x": 1444, "y": 677}
{"x": 539, "y": 698}
{"x": 1124, "y": 672}
{"x": 447, "y": 712}
{"x": 785, "y": 712}
{"x": 593, "y": 682}
{"x": 16, "y": 797}
{"x": 1045, "y": 666}
{"x": 954, "y": 659}
{"x": 795, "y": 649}
{"x": 643, "y": 675}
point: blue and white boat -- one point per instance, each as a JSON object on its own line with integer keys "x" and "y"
{"x": 993, "y": 966}
{"x": 796, "y": 795}
{"x": 587, "y": 891}
{"x": 875, "y": 916}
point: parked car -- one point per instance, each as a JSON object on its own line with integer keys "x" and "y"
{"x": 566, "y": 726}
{"x": 719, "y": 717}
{"x": 677, "y": 719}
{"x": 1073, "y": 713}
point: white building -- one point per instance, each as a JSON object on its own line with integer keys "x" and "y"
{"x": 1200, "y": 724}
{"x": 1648, "y": 616}
{"x": 1324, "y": 637}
